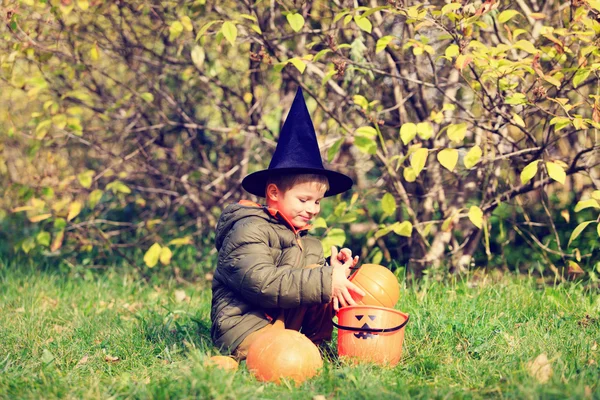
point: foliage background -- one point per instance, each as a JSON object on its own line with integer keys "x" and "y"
{"x": 470, "y": 128}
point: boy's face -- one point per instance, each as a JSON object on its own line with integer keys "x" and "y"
{"x": 299, "y": 204}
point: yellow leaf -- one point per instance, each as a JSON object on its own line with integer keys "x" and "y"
{"x": 299, "y": 64}
{"x": 424, "y": 130}
{"x": 457, "y": 132}
{"x": 473, "y": 157}
{"x": 452, "y": 51}
{"x": 165, "y": 255}
{"x": 152, "y": 255}
{"x": 175, "y": 30}
{"x": 74, "y": 210}
{"x": 296, "y": 21}
{"x": 408, "y": 132}
{"x": 518, "y": 120}
{"x": 83, "y": 4}
{"x": 94, "y": 53}
{"x": 598, "y": 229}
{"x": 418, "y": 160}
{"x": 363, "y": 23}
{"x": 409, "y": 174}
{"x": 583, "y": 204}
{"x": 462, "y": 61}
{"x": 574, "y": 268}
{"x": 40, "y": 217}
{"x": 476, "y": 216}
{"x": 526, "y": 45}
{"x": 596, "y": 194}
{"x": 58, "y": 240}
{"x": 577, "y": 231}
{"x": 556, "y": 172}
{"x": 506, "y": 15}
{"x": 382, "y": 43}
{"x": 404, "y": 229}
{"x": 448, "y": 158}
{"x": 529, "y": 171}
{"x": 181, "y": 241}
{"x": 187, "y": 23}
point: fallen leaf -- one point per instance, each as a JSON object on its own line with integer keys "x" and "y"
{"x": 540, "y": 368}
{"x": 20, "y": 310}
{"x": 319, "y": 397}
{"x": 208, "y": 276}
{"x": 83, "y": 360}
{"x": 595, "y": 346}
{"x": 180, "y": 296}
{"x": 109, "y": 358}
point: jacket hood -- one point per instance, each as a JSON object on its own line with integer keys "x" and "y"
{"x": 235, "y": 212}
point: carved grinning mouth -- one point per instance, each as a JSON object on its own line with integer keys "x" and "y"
{"x": 365, "y": 335}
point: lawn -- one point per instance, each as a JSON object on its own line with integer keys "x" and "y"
{"x": 112, "y": 336}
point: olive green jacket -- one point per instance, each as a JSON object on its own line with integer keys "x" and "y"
{"x": 262, "y": 268}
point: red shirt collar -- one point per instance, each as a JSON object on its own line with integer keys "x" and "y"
{"x": 276, "y": 214}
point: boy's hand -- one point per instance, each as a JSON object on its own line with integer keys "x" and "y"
{"x": 341, "y": 286}
{"x": 342, "y": 258}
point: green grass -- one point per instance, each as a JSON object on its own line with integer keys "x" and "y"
{"x": 469, "y": 339}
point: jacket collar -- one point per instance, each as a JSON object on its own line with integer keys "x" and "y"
{"x": 275, "y": 214}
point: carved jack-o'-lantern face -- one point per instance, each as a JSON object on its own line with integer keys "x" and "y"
{"x": 365, "y": 335}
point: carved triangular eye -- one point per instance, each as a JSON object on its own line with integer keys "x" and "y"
{"x": 372, "y": 317}
{"x": 359, "y": 317}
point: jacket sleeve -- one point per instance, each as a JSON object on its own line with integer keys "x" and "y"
{"x": 248, "y": 269}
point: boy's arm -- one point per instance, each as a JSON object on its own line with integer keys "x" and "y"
{"x": 249, "y": 270}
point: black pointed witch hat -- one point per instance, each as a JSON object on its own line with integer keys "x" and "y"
{"x": 297, "y": 152}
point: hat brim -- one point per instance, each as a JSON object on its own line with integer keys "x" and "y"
{"x": 256, "y": 183}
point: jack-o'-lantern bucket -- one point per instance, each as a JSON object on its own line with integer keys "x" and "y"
{"x": 371, "y": 334}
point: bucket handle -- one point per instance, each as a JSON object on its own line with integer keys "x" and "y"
{"x": 372, "y": 330}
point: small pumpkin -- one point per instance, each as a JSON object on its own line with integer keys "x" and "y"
{"x": 223, "y": 362}
{"x": 380, "y": 285}
{"x": 283, "y": 353}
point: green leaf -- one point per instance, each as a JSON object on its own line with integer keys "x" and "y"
{"x": 388, "y": 204}
{"x": 319, "y": 223}
{"x": 165, "y": 255}
{"x": 296, "y": 21}
{"x": 320, "y": 54}
{"x": 403, "y": 229}
{"x": 152, "y": 255}
{"x": 409, "y": 174}
{"x": 580, "y": 76}
{"x": 408, "y": 131}
{"x": 198, "y": 56}
{"x": 229, "y": 30}
{"x": 42, "y": 129}
{"x": 473, "y": 157}
{"x": 85, "y": 178}
{"x": 577, "y": 231}
{"x": 529, "y": 171}
{"x": 175, "y": 30}
{"x": 363, "y": 23}
{"x": 418, "y": 160}
{"x": 339, "y": 16}
{"x": 204, "y": 28}
{"x": 507, "y": 15}
{"x": 298, "y": 63}
{"x": 350, "y": 217}
{"x": 556, "y": 172}
{"x": 148, "y": 97}
{"x": 334, "y": 149}
{"x": 382, "y": 43}
{"x": 424, "y": 130}
{"x": 450, "y": 8}
{"x": 335, "y": 237}
{"x": 448, "y": 158}
{"x": 457, "y": 132}
{"x": 368, "y": 131}
{"x": 560, "y": 123}
{"x": 583, "y": 204}
{"x": 365, "y": 144}
{"x": 118, "y": 187}
{"x": 516, "y": 99}
{"x": 95, "y": 197}
{"x": 476, "y": 216}
{"x": 43, "y": 238}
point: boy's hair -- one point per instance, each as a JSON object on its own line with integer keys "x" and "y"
{"x": 285, "y": 182}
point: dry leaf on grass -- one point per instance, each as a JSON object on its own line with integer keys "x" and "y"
{"x": 109, "y": 358}
{"x": 83, "y": 360}
{"x": 180, "y": 296}
{"x": 540, "y": 368}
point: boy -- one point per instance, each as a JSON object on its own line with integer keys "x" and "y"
{"x": 270, "y": 274}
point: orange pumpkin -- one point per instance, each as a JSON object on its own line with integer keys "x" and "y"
{"x": 380, "y": 285}
{"x": 223, "y": 362}
{"x": 283, "y": 353}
